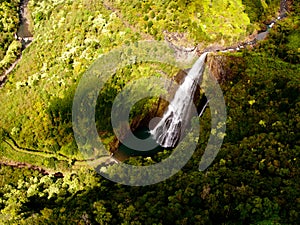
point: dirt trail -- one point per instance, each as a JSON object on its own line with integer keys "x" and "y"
{"x": 31, "y": 167}
{"x": 284, "y": 8}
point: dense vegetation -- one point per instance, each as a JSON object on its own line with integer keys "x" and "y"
{"x": 58, "y": 60}
{"x": 255, "y": 178}
{"x": 200, "y": 22}
{"x": 258, "y": 10}
{"x": 196, "y": 19}
{"x": 9, "y": 47}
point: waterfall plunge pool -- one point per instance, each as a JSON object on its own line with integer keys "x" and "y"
{"x": 140, "y": 133}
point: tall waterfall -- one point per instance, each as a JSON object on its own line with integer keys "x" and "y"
{"x": 168, "y": 131}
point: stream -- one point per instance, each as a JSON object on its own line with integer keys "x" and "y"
{"x": 185, "y": 52}
{"x": 25, "y": 37}
{"x": 24, "y": 28}
{"x": 165, "y": 136}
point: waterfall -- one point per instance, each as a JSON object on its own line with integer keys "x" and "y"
{"x": 168, "y": 131}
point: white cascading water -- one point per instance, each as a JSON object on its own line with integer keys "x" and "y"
{"x": 167, "y": 132}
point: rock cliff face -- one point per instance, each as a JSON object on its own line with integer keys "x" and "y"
{"x": 156, "y": 111}
{"x": 224, "y": 67}
{"x": 218, "y": 66}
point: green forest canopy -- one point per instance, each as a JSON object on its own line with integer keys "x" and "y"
{"x": 255, "y": 177}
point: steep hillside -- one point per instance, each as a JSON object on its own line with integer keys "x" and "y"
{"x": 68, "y": 36}
{"x": 255, "y": 177}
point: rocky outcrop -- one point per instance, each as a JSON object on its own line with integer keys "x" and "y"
{"x": 217, "y": 65}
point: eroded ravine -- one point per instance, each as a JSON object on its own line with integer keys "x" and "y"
{"x": 27, "y": 39}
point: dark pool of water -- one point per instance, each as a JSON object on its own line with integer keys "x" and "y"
{"x": 24, "y": 30}
{"x": 140, "y": 133}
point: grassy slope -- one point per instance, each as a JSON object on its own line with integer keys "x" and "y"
{"x": 57, "y": 59}
{"x": 69, "y": 35}
{"x": 255, "y": 177}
